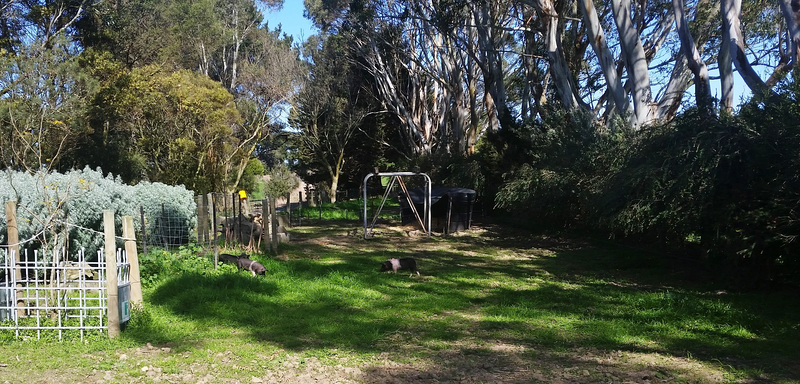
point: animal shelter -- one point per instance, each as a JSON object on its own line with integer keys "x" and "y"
{"x": 451, "y": 207}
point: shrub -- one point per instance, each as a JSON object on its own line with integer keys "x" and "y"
{"x": 729, "y": 187}
{"x": 550, "y": 169}
{"x": 66, "y": 209}
{"x": 281, "y": 181}
{"x": 159, "y": 264}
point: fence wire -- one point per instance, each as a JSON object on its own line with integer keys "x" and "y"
{"x": 45, "y": 295}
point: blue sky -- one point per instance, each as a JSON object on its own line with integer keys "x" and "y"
{"x": 292, "y": 21}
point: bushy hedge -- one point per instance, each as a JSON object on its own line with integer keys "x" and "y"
{"x": 73, "y": 204}
{"x": 727, "y": 188}
{"x": 550, "y": 169}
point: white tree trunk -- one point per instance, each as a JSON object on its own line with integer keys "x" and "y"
{"x": 597, "y": 38}
{"x": 725, "y": 74}
{"x": 392, "y": 99}
{"x": 670, "y": 101}
{"x": 635, "y": 62}
{"x": 791, "y": 13}
{"x": 559, "y": 69}
{"x": 487, "y": 18}
{"x": 696, "y": 64}
{"x": 732, "y": 33}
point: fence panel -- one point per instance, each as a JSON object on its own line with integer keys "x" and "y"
{"x": 56, "y": 297}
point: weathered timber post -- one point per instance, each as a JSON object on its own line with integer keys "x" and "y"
{"x": 12, "y": 231}
{"x": 133, "y": 258}
{"x": 144, "y": 231}
{"x": 202, "y": 219}
{"x": 300, "y": 208}
{"x": 266, "y": 216}
{"x": 238, "y": 219}
{"x": 289, "y": 207}
{"x": 13, "y": 235}
{"x": 273, "y": 226}
{"x": 112, "y": 294}
{"x": 214, "y": 230}
{"x": 269, "y": 205}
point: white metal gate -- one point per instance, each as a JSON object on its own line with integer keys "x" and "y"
{"x": 48, "y": 296}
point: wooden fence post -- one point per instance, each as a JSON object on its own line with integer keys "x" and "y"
{"x": 289, "y": 207}
{"x": 273, "y": 225}
{"x": 112, "y": 302}
{"x": 300, "y": 208}
{"x": 202, "y": 219}
{"x": 266, "y": 229}
{"x": 239, "y": 219}
{"x": 214, "y": 227}
{"x": 133, "y": 258}
{"x": 144, "y": 231}
{"x": 12, "y": 233}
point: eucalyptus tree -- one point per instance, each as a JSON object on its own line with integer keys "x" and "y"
{"x": 423, "y": 83}
{"x": 328, "y": 113}
{"x": 427, "y": 66}
{"x": 43, "y": 92}
{"x": 705, "y": 31}
{"x": 36, "y": 22}
{"x": 43, "y": 107}
{"x": 232, "y": 44}
{"x": 268, "y": 76}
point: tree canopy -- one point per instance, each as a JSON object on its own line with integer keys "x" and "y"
{"x": 172, "y": 91}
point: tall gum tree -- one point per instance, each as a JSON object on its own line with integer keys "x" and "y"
{"x": 636, "y": 66}
{"x": 702, "y": 88}
{"x": 636, "y": 63}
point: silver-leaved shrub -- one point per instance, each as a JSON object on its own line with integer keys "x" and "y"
{"x": 66, "y": 210}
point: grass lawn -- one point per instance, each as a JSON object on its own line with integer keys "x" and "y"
{"x": 492, "y": 305}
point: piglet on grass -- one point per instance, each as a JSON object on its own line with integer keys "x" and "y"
{"x": 394, "y": 265}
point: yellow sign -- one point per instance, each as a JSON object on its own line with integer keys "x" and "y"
{"x": 242, "y": 195}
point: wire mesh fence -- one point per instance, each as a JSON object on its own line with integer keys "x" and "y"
{"x": 50, "y": 295}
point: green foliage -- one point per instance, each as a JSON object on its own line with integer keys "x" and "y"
{"x": 71, "y": 205}
{"x": 281, "y": 181}
{"x": 159, "y": 265}
{"x": 251, "y": 175}
{"x": 353, "y": 210}
{"x": 43, "y": 105}
{"x": 339, "y": 135}
{"x": 732, "y": 185}
{"x": 552, "y": 164}
{"x": 165, "y": 126}
{"x": 169, "y": 115}
{"x": 726, "y": 187}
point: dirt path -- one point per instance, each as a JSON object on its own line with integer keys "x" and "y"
{"x": 493, "y": 363}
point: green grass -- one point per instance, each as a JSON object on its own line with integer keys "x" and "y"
{"x": 351, "y": 210}
{"x": 327, "y": 300}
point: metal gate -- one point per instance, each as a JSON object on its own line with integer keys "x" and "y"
{"x": 46, "y": 295}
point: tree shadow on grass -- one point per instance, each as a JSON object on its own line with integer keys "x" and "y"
{"x": 305, "y": 304}
{"x": 621, "y": 299}
{"x": 572, "y": 297}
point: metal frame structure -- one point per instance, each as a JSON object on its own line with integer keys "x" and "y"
{"x": 398, "y": 177}
{"x": 59, "y": 290}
